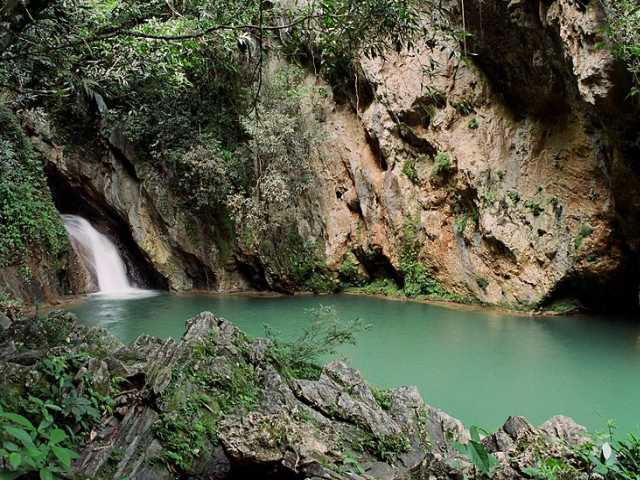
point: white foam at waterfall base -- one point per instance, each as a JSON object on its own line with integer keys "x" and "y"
{"x": 101, "y": 258}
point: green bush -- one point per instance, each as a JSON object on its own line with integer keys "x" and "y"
{"x": 379, "y": 286}
{"x": 482, "y": 282}
{"x": 442, "y": 164}
{"x": 513, "y": 196}
{"x": 473, "y": 123}
{"x": 350, "y": 273}
{"x": 623, "y": 36}
{"x": 489, "y": 198}
{"x": 409, "y": 170}
{"x": 418, "y": 279}
{"x": 535, "y": 207}
{"x": 464, "y": 107}
{"x": 482, "y": 460}
{"x": 460, "y": 224}
{"x": 300, "y": 357}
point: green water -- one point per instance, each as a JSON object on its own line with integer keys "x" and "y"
{"x": 479, "y": 366}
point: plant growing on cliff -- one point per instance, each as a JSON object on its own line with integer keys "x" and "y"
{"x": 623, "y": 35}
{"x": 28, "y": 218}
{"x": 442, "y": 164}
{"x": 350, "y": 273}
{"x": 299, "y": 357}
{"x": 584, "y": 232}
{"x": 418, "y": 279}
{"x": 535, "y": 207}
{"x": 282, "y": 144}
{"x": 483, "y": 462}
{"x": 409, "y": 170}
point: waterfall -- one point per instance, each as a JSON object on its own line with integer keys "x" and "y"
{"x": 98, "y": 254}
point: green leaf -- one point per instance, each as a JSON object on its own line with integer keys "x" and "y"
{"x": 21, "y": 435}
{"x": 45, "y": 474}
{"x": 64, "y": 455}
{"x": 56, "y": 436}
{"x": 15, "y": 459}
{"x": 12, "y": 447}
{"x": 18, "y": 420}
{"x": 9, "y": 475}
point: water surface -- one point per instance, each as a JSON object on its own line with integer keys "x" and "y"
{"x": 479, "y": 366}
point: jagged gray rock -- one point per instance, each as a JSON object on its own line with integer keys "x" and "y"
{"x": 264, "y": 424}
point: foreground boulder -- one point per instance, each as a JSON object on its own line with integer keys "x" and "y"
{"x": 218, "y": 405}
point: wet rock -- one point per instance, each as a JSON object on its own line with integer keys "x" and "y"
{"x": 5, "y": 322}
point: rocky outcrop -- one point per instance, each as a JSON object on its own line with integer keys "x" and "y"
{"x": 218, "y": 405}
{"x": 529, "y": 208}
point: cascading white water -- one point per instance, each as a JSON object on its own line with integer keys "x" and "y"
{"x": 99, "y": 255}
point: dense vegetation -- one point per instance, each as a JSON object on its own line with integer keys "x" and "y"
{"x": 623, "y": 32}
{"x": 197, "y": 88}
{"x": 27, "y": 214}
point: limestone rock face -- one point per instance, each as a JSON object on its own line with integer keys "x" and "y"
{"x": 510, "y": 166}
{"x": 528, "y": 209}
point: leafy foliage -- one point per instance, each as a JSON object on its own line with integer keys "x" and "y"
{"x": 418, "y": 279}
{"x": 25, "y": 449}
{"x": 28, "y": 217}
{"x": 483, "y": 461}
{"x": 350, "y": 273}
{"x": 198, "y": 399}
{"x": 584, "y": 232}
{"x": 623, "y": 35}
{"x": 299, "y": 357}
{"x": 409, "y": 169}
{"x": 442, "y": 164}
{"x": 379, "y": 286}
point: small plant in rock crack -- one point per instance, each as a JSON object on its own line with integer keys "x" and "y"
{"x": 484, "y": 463}
{"x": 298, "y": 358}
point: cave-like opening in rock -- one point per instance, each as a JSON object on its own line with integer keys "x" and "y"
{"x": 70, "y": 198}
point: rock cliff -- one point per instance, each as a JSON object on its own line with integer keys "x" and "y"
{"x": 510, "y": 170}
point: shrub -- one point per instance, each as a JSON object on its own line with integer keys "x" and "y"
{"x": 460, "y": 224}
{"x": 513, "y": 196}
{"x": 349, "y": 271}
{"x": 382, "y": 396}
{"x": 482, "y": 282}
{"x": 463, "y": 107}
{"x": 442, "y": 164}
{"x": 379, "y": 286}
{"x": 207, "y": 173}
{"x": 473, "y": 123}
{"x": 299, "y": 357}
{"x": 535, "y": 207}
{"x": 489, "y": 198}
{"x": 409, "y": 169}
{"x": 623, "y": 36}
{"x": 482, "y": 461}
{"x": 26, "y": 449}
{"x": 418, "y": 279}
